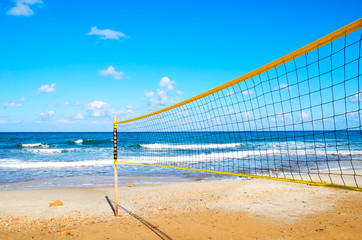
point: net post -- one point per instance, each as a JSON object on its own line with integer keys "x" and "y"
{"x": 115, "y": 167}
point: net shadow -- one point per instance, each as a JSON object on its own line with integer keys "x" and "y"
{"x": 153, "y": 228}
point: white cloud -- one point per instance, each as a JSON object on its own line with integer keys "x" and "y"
{"x": 106, "y": 33}
{"x": 357, "y": 97}
{"x": 283, "y": 86}
{"x": 13, "y": 104}
{"x": 162, "y": 96}
{"x": 166, "y": 94}
{"x": 47, "y": 115}
{"x": 110, "y": 71}
{"x": 247, "y": 92}
{"x": 149, "y": 94}
{"x": 166, "y": 84}
{"x": 79, "y": 116}
{"x": 47, "y": 88}
{"x": 63, "y": 121}
{"x": 130, "y": 107}
{"x": 97, "y": 105}
{"x": 305, "y": 115}
{"x": 99, "y": 108}
{"x": 22, "y": 7}
{"x": 3, "y": 121}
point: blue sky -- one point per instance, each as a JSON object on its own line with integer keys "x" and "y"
{"x": 73, "y": 65}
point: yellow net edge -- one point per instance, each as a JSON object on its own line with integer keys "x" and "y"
{"x": 313, "y": 183}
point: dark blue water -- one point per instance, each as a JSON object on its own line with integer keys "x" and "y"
{"x": 41, "y": 160}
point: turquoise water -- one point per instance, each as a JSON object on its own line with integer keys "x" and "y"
{"x": 44, "y": 160}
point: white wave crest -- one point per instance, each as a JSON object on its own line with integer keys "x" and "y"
{"x": 239, "y": 155}
{"x": 25, "y": 165}
{"x": 32, "y": 145}
{"x": 190, "y": 146}
{"x": 79, "y": 141}
{"x": 203, "y": 157}
{"x": 329, "y": 152}
{"x": 52, "y": 151}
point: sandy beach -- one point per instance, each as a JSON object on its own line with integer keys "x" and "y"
{"x": 224, "y": 209}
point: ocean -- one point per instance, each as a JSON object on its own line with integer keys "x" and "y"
{"x": 53, "y": 160}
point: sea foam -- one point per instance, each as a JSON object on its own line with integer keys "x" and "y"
{"x": 33, "y": 145}
{"x": 16, "y": 164}
{"x": 52, "y": 151}
{"x": 190, "y": 146}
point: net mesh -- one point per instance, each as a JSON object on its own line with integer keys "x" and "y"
{"x": 300, "y": 120}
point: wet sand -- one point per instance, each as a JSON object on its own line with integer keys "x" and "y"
{"x": 226, "y": 209}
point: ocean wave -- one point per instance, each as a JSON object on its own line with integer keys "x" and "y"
{"x": 249, "y": 155}
{"x": 202, "y": 157}
{"x": 33, "y": 145}
{"x": 88, "y": 141}
{"x": 190, "y": 146}
{"x": 134, "y": 146}
{"x": 288, "y": 146}
{"x": 52, "y": 150}
{"x": 72, "y": 142}
{"x": 252, "y": 154}
{"x": 326, "y": 152}
{"x": 270, "y": 148}
{"x": 16, "y": 164}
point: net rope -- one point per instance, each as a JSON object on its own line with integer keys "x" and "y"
{"x": 299, "y": 121}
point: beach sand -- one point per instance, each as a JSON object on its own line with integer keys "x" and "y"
{"x": 224, "y": 209}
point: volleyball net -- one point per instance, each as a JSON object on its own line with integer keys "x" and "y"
{"x": 295, "y": 119}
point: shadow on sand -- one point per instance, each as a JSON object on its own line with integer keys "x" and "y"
{"x": 149, "y": 225}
